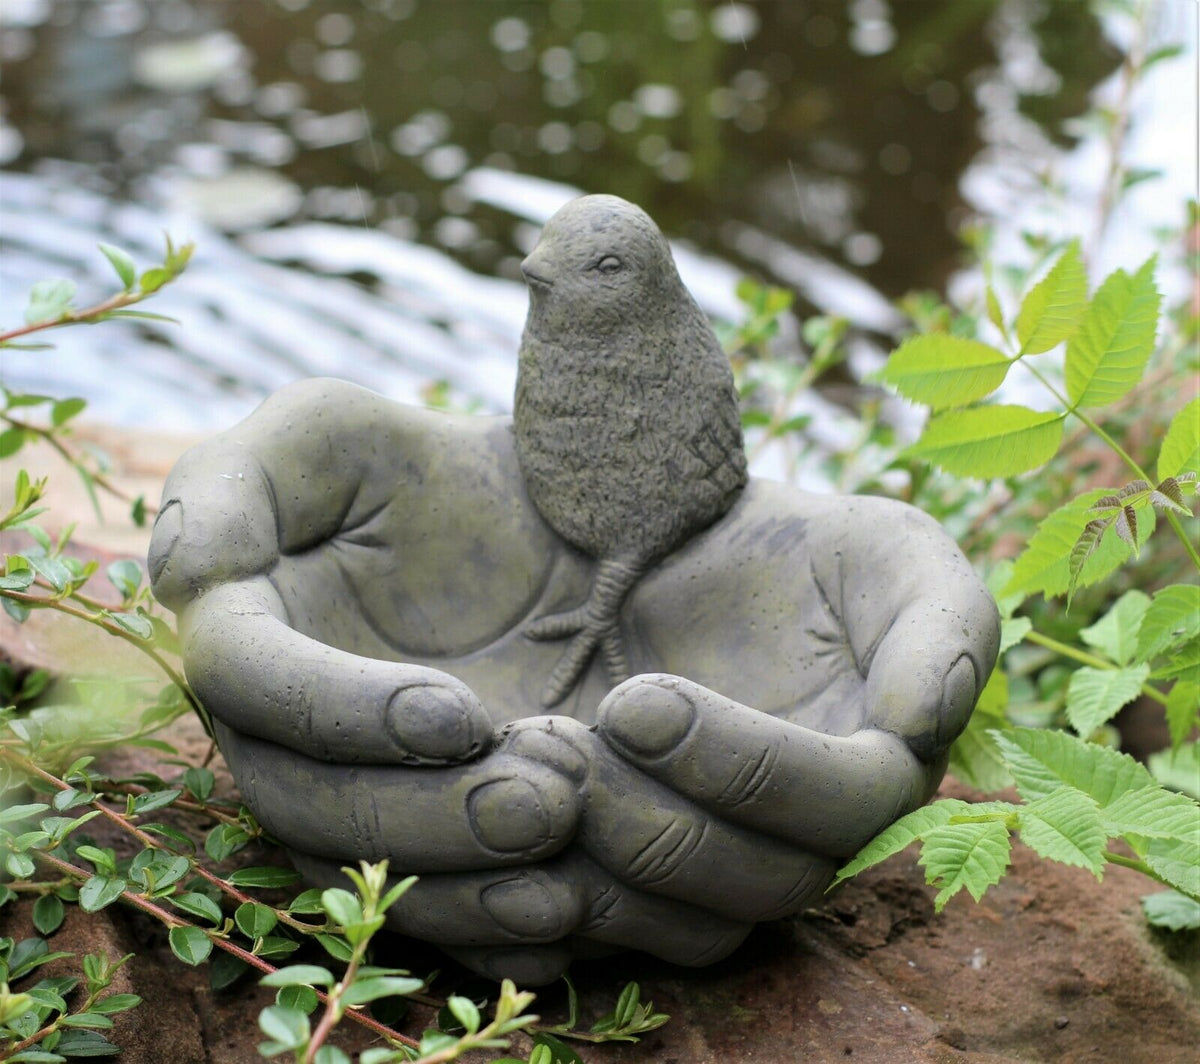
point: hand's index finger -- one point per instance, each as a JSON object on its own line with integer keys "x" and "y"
{"x": 261, "y": 677}
{"x": 826, "y": 793}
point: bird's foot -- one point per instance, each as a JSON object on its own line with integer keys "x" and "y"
{"x": 591, "y": 633}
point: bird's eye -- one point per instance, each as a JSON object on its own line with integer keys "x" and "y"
{"x": 609, "y": 264}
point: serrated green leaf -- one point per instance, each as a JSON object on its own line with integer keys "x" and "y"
{"x": 1177, "y": 861}
{"x": 121, "y": 263}
{"x": 1041, "y": 761}
{"x": 1183, "y": 711}
{"x": 1065, "y": 826}
{"x": 1043, "y": 565}
{"x": 190, "y": 944}
{"x": 1095, "y": 695}
{"x": 1178, "y": 769}
{"x": 1180, "y": 451}
{"x": 989, "y": 441}
{"x": 972, "y": 856}
{"x": 1052, "y": 310}
{"x": 901, "y": 834}
{"x": 1115, "y": 634}
{"x": 1108, "y": 353}
{"x": 1172, "y": 910}
{"x": 943, "y": 371}
{"x": 1173, "y": 618}
{"x": 1012, "y": 631}
{"x": 1155, "y": 813}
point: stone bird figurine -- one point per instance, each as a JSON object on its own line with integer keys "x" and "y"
{"x": 627, "y": 426}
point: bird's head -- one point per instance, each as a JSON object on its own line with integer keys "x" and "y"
{"x": 601, "y": 263}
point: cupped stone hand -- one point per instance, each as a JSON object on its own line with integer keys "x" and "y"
{"x": 352, "y": 578}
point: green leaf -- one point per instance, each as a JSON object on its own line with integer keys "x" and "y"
{"x": 85, "y": 1044}
{"x": 364, "y": 990}
{"x": 1115, "y": 634}
{"x": 17, "y": 580}
{"x": 1177, "y": 861}
{"x": 276, "y": 946}
{"x": 1043, "y": 565}
{"x": 1107, "y": 355}
{"x": 1065, "y": 826}
{"x": 905, "y": 831}
{"x": 35, "y": 1056}
{"x": 263, "y": 877}
{"x": 11, "y": 441}
{"x": 200, "y": 782}
{"x": 971, "y": 855}
{"x": 1012, "y": 631}
{"x": 47, "y": 914}
{"x": 147, "y": 803}
{"x": 134, "y": 624}
{"x": 306, "y": 903}
{"x": 92, "y": 1020}
{"x": 974, "y": 758}
{"x": 1095, "y": 695}
{"x": 126, "y": 576}
{"x": 98, "y": 892}
{"x": 153, "y": 279}
{"x": 330, "y": 1055}
{"x": 65, "y": 409}
{"x": 225, "y": 970}
{"x": 116, "y": 1003}
{"x": 1183, "y": 711}
{"x": 1155, "y": 813}
{"x": 1172, "y": 618}
{"x": 255, "y": 920}
{"x": 1051, "y": 311}
{"x": 1180, "y": 451}
{"x": 1172, "y": 910}
{"x": 288, "y": 1027}
{"x": 299, "y": 975}
{"x": 49, "y": 300}
{"x": 342, "y": 906}
{"x": 297, "y": 996}
{"x": 1041, "y": 761}
{"x": 942, "y": 371}
{"x": 336, "y": 946}
{"x": 122, "y": 263}
{"x": 989, "y": 441}
{"x": 21, "y": 812}
{"x": 190, "y": 944}
{"x": 198, "y": 905}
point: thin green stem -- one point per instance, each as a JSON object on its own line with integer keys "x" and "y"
{"x": 1084, "y": 658}
{"x": 1120, "y": 452}
{"x": 1141, "y": 866}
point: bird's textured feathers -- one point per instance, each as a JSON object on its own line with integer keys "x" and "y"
{"x": 627, "y": 422}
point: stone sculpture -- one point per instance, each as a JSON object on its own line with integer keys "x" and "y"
{"x": 355, "y": 581}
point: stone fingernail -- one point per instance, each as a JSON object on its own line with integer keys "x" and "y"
{"x": 167, "y": 528}
{"x": 434, "y": 722}
{"x": 958, "y": 688}
{"x": 508, "y": 815}
{"x": 523, "y": 907}
{"x": 648, "y": 719}
{"x": 549, "y": 748}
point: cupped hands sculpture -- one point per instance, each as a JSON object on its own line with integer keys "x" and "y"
{"x": 357, "y": 582}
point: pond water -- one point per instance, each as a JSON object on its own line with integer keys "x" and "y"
{"x": 362, "y": 177}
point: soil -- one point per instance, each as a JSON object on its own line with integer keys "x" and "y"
{"x": 1051, "y": 965}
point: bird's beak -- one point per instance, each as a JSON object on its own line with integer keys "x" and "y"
{"x": 537, "y": 272}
